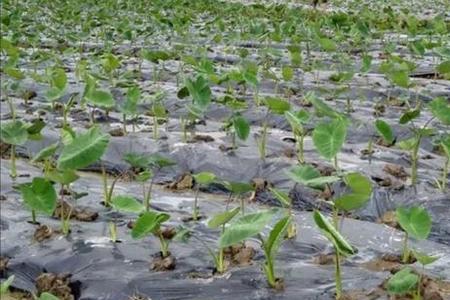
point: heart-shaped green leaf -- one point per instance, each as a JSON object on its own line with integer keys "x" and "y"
{"x": 39, "y": 195}
{"x": 14, "y": 133}
{"x": 329, "y": 137}
{"x": 415, "y": 221}
{"x": 402, "y": 282}
{"x": 127, "y": 204}
{"x": 149, "y": 222}
{"x": 361, "y": 191}
{"x": 223, "y": 218}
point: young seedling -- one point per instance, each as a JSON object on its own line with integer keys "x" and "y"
{"x": 297, "y": 119}
{"x": 270, "y": 247}
{"x": 129, "y": 107}
{"x": 148, "y": 223}
{"x": 276, "y": 106}
{"x": 240, "y": 126}
{"x": 201, "y": 179}
{"x": 286, "y": 202}
{"x": 83, "y": 150}
{"x": 125, "y": 204}
{"x": 58, "y": 85}
{"x": 150, "y": 165}
{"x": 445, "y": 144}
{"x": 341, "y": 247}
{"x": 238, "y": 189}
{"x": 4, "y": 286}
{"x": 403, "y": 282}
{"x": 424, "y": 260}
{"x": 15, "y": 134}
{"x": 416, "y": 222}
{"x": 40, "y": 196}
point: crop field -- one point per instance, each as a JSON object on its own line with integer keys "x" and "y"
{"x": 225, "y": 150}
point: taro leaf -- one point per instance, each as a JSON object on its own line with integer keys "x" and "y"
{"x": 321, "y": 108}
{"x": 407, "y": 144}
{"x": 156, "y": 55}
{"x": 204, "y": 178}
{"x": 444, "y": 67}
{"x": 366, "y": 63}
{"x": 14, "y": 73}
{"x": 158, "y": 161}
{"x": 399, "y": 77}
{"x": 39, "y": 195}
{"x": 415, "y": 221}
{"x": 34, "y": 129}
{"x": 183, "y": 93}
{"x": 100, "y": 98}
{"x": 245, "y": 227}
{"x": 309, "y": 176}
{"x": 287, "y": 73}
{"x": 65, "y": 177}
{"x": 409, "y": 116}
{"x": 14, "y": 133}
{"x": 361, "y": 191}
{"x": 402, "y": 282}
{"x": 223, "y": 218}
{"x": 296, "y": 119}
{"x": 329, "y": 137}
{"x": 385, "y": 130}
{"x": 283, "y": 197}
{"x": 84, "y": 149}
{"x": 238, "y": 188}
{"x": 144, "y": 176}
{"x": 147, "y": 223}
{"x": 332, "y": 234}
{"x": 276, "y": 235}
{"x": 47, "y": 296}
{"x": 45, "y": 153}
{"x": 130, "y": 105}
{"x": 241, "y": 127}
{"x": 58, "y": 79}
{"x": 137, "y": 160}
{"x": 423, "y": 258}
{"x": 440, "y": 108}
{"x": 159, "y": 111}
{"x": 4, "y": 286}
{"x": 327, "y": 44}
{"x": 445, "y": 143}
{"x": 277, "y": 106}
{"x": 127, "y": 204}
{"x": 200, "y": 91}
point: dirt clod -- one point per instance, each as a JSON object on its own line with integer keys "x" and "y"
{"x": 160, "y": 263}
{"x": 42, "y": 233}
{"x": 56, "y": 284}
{"x": 184, "y": 182}
{"x": 81, "y": 214}
{"x": 396, "y": 171}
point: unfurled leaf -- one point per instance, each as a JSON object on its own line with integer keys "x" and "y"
{"x": 149, "y": 222}
{"x": 415, "y": 221}
{"x": 329, "y": 137}
{"x": 238, "y": 188}
{"x": 65, "y": 177}
{"x": 361, "y": 191}
{"x": 444, "y": 67}
{"x": 440, "y": 108}
{"x": 39, "y": 195}
{"x": 14, "y": 133}
{"x": 423, "y": 258}
{"x": 84, "y": 149}
{"x": 204, "y": 178}
{"x": 100, "y": 98}
{"x": 402, "y": 282}
{"x": 127, "y": 204}
{"x": 245, "y": 227}
{"x": 276, "y": 105}
{"x": 287, "y": 73}
{"x": 223, "y": 218}
{"x": 200, "y": 91}
{"x": 47, "y": 296}
{"x": 46, "y": 153}
{"x": 309, "y": 176}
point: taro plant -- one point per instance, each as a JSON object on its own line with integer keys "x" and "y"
{"x": 403, "y": 282}
{"x": 286, "y": 202}
{"x": 201, "y": 179}
{"x": 148, "y": 167}
{"x": 129, "y": 107}
{"x": 123, "y": 203}
{"x": 15, "y": 134}
{"x": 150, "y": 222}
{"x": 58, "y": 85}
{"x": 219, "y": 221}
{"x": 270, "y": 247}
{"x": 341, "y": 246}
{"x": 4, "y": 286}
{"x": 296, "y": 120}
{"x": 40, "y": 196}
{"x": 276, "y": 106}
{"x": 445, "y": 144}
{"x": 238, "y": 190}
{"x": 416, "y": 222}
